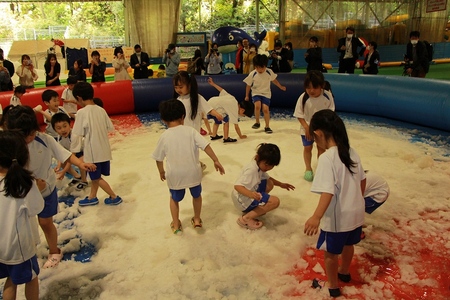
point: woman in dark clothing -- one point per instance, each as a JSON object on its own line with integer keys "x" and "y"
{"x": 313, "y": 55}
{"x": 97, "y": 68}
{"x": 52, "y": 70}
{"x": 77, "y": 71}
{"x": 199, "y": 62}
{"x": 372, "y": 59}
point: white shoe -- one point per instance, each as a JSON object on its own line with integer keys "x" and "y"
{"x": 53, "y": 260}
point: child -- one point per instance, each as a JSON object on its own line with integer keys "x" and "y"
{"x": 250, "y": 194}
{"x": 230, "y": 109}
{"x": 258, "y": 81}
{"x": 77, "y": 71}
{"x": 93, "y": 124}
{"x": 340, "y": 181}
{"x": 73, "y": 143}
{"x": 69, "y": 101}
{"x": 43, "y": 148}
{"x": 17, "y": 96}
{"x": 314, "y": 98}
{"x": 179, "y": 146}
{"x": 20, "y": 202}
{"x": 51, "y": 99}
{"x": 161, "y": 71}
{"x": 376, "y": 191}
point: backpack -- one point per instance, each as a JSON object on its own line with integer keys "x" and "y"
{"x": 192, "y": 66}
{"x": 430, "y": 50}
{"x": 327, "y": 87}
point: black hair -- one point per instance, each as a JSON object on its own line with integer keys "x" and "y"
{"x": 23, "y": 119}
{"x": 172, "y": 110}
{"x": 314, "y": 39}
{"x": 289, "y": 44}
{"x": 172, "y": 46}
{"x": 49, "y": 57}
{"x": 248, "y": 107}
{"x": 59, "y": 117}
{"x": 161, "y": 67}
{"x": 118, "y": 50}
{"x": 278, "y": 43}
{"x": 260, "y": 60}
{"x": 20, "y": 89}
{"x": 197, "y": 53}
{"x": 98, "y": 102}
{"x": 47, "y": 95}
{"x": 137, "y": 46}
{"x": 84, "y": 90}
{"x": 374, "y": 45}
{"x": 24, "y": 56}
{"x": 183, "y": 77}
{"x": 95, "y": 52}
{"x": 72, "y": 80}
{"x": 314, "y": 78}
{"x": 414, "y": 33}
{"x": 332, "y": 126}
{"x": 350, "y": 28}
{"x": 253, "y": 45}
{"x": 5, "y": 113}
{"x": 270, "y": 153}
{"x": 14, "y": 156}
{"x": 80, "y": 64}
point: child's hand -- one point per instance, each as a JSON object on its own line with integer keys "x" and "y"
{"x": 60, "y": 174}
{"x": 219, "y": 167}
{"x": 210, "y": 81}
{"x": 312, "y": 225}
{"x": 246, "y": 98}
{"x": 283, "y": 88}
{"x": 287, "y": 186}
{"x": 307, "y": 135}
{"x": 162, "y": 175}
{"x": 88, "y": 167}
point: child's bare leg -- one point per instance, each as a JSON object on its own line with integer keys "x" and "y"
{"x": 106, "y": 187}
{"x": 266, "y": 114}
{"x": 32, "y": 289}
{"x": 331, "y": 267}
{"x": 9, "y": 290}
{"x": 226, "y": 130}
{"x": 307, "y": 157}
{"x": 74, "y": 173}
{"x": 215, "y": 129}
{"x": 175, "y": 211}
{"x": 94, "y": 189}
{"x": 83, "y": 175}
{"x": 197, "y": 204}
{"x": 257, "y": 111}
{"x": 51, "y": 235}
{"x": 208, "y": 126}
{"x": 271, "y": 204}
{"x": 346, "y": 256}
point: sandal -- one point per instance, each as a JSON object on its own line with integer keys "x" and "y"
{"x": 229, "y": 140}
{"x": 196, "y": 225}
{"x": 217, "y": 137}
{"x": 252, "y": 225}
{"x": 178, "y": 230}
{"x": 319, "y": 284}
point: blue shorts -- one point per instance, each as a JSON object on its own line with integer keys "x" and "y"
{"x": 264, "y": 100}
{"x": 371, "y": 205}
{"x": 21, "y": 273}
{"x": 103, "y": 168}
{"x": 79, "y": 154}
{"x": 50, "y": 206}
{"x": 265, "y": 197}
{"x": 334, "y": 242}
{"x": 178, "y": 195}
{"x": 305, "y": 142}
{"x": 225, "y": 119}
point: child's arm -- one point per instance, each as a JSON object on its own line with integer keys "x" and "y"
{"x": 60, "y": 173}
{"x": 238, "y": 131}
{"x": 214, "y": 113}
{"x": 80, "y": 164}
{"x": 247, "y": 92}
{"x": 306, "y": 127}
{"x": 46, "y": 115}
{"x": 162, "y": 173}
{"x": 247, "y": 193}
{"x": 282, "y": 185}
{"x": 213, "y": 84}
{"x": 281, "y": 87}
{"x": 209, "y": 151}
{"x": 363, "y": 186}
{"x": 312, "y": 224}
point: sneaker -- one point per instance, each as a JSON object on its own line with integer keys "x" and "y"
{"x": 74, "y": 181}
{"x": 86, "y": 201}
{"x": 309, "y": 176}
{"x": 53, "y": 260}
{"x": 115, "y": 201}
{"x": 268, "y": 130}
{"x": 82, "y": 185}
{"x": 217, "y": 137}
{"x": 319, "y": 284}
{"x": 256, "y": 126}
{"x": 229, "y": 140}
{"x": 344, "y": 277}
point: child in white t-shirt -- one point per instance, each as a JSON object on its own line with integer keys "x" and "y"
{"x": 51, "y": 99}
{"x": 19, "y": 91}
{"x": 314, "y": 98}
{"x": 227, "y": 105}
{"x": 250, "y": 194}
{"x": 179, "y": 145}
{"x": 376, "y": 192}
{"x": 258, "y": 81}
{"x": 69, "y": 101}
{"x": 340, "y": 181}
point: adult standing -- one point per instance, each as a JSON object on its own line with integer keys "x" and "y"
{"x": 10, "y": 67}
{"x": 290, "y": 54}
{"x": 313, "y": 55}
{"x": 172, "y": 60}
{"x": 245, "y": 50}
{"x": 26, "y": 72}
{"x": 120, "y": 65}
{"x": 238, "y": 60}
{"x": 348, "y": 49}
{"x": 139, "y": 61}
{"x": 198, "y": 63}
{"x": 416, "y": 56}
{"x": 61, "y": 45}
{"x": 52, "y": 70}
{"x": 248, "y": 59}
{"x": 279, "y": 58}
{"x": 77, "y": 71}
{"x": 214, "y": 60}
{"x": 97, "y": 68}
{"x": 372, "y": 59}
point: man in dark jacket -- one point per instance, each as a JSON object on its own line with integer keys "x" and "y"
{"x": 139, "y": 61}
{"x": 348, "y": 49}
{"x": 279, "y": 58}
{"x": 416, "y": 56}
{"x": 10, "y": 66}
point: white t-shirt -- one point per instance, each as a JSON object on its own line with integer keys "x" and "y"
{"x": 312, "y": 105}
{"x": 226, "y": 105}
{"x": 69, "y": 107}
{"x": 14, "y": 101}
{"x": 49, "y": 129}
{"x": 42, "y": 150}
{"x": 179, "y": 146}
{"x": 346, "y": 209}
{"x": 19, "y": 225}
{"x": 376, "y": 187}
{"x": 93, "y": 123}
{"x": 250, "y": 177}
{"x": 203, "y": 107}
{"x": 260, "y": 82}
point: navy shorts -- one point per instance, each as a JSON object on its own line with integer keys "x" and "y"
{"x": 334, "y": 242}
{"x": 79, "y": 154}
{"x": 305, "y": 142}
{"x": 103, "y": 168}
{"x": 225, "y": 119}
{"x": 178, "y": 195}
{"x": 264, "y": 100}
{"x": 265, "y": 197}
{"x": 371, "y": 205}
{"x": 50, "y": 206}
{"x": 21, "y": 273}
